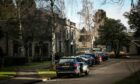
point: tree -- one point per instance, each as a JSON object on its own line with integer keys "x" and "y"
{"x": 7, "y": 18}
{"x": 10, "y": 20}
{"x": 113, "y": 33}
{"x": 7, "y": 9}
{"x": 134, "y": 19}
{"x": 1, "y": 51}
{"x": 58, "y": 6}
{"x": 117, "y": 2}
{"x": 1, "y": 33}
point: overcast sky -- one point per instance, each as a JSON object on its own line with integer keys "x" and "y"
{"x": 112, "y": 10}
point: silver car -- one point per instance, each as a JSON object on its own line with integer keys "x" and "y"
{"x": 71, "y": 65}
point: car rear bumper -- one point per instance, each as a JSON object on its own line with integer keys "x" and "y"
{"x": 68, "y": 72}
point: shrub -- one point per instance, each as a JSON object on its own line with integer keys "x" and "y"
{"x": 13, "y": 61}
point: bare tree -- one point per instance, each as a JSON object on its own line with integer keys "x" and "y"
{"x": 87, "y": 15}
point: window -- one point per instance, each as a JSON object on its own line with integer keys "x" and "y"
{"x": 64, "y": 60}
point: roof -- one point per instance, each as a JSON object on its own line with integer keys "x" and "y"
{"x": 83, "y": 30}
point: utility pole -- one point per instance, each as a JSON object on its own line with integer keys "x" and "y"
{"x": 53, "y": 32}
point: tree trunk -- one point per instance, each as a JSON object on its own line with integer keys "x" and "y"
{"x": 117, "y": 52}
{"x": 116, "y": 48}
{"x": 1, "y": 58}
{"x": 7, "y": 46}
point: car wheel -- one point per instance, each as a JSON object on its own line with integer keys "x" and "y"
{"x": 58, "y": 75}
{"x": 77, "y": 75}
{"x": 86, "y": 73}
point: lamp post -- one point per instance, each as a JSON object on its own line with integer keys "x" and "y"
{"x": 71, "y": 47}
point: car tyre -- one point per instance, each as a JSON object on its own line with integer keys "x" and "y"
{"x": 77, "y": 75}
{"x": 58, "y": 75}
{"x": 86, "y": 73}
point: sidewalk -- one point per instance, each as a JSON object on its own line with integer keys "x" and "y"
{"x": 134, "y": 57}
{"x": 23, "y": 78}
{"x": 19, "y": 81}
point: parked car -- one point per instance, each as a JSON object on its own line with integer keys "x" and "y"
{"x": 97, "y": 58}
{"x": 88, "y": 59}
{"x": 103, "y": 55}
{"x": 71, "y": 65}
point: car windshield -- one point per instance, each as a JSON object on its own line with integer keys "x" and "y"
{"x": 86, "y": 56}
{"x": 64, "y": 60}
{"x": 100, "y": 53}
{"x": 90, "y": 54}
{"x": 84, "y": 59}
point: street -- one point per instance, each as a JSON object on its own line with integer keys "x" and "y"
{"x": 105, "y": 73}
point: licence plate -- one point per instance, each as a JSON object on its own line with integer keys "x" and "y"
{"x": 65, "y": 66}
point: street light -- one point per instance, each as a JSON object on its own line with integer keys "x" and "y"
{"x": 71, "y": 43}
{"x": 71, "y": 47}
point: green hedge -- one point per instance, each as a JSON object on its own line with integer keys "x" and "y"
{"x": 13, "y": 61}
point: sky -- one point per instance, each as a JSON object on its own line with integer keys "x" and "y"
{"x": 115, "y": 11}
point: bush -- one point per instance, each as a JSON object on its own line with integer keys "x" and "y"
{"x": 58, "y": 55}
{"x": 121, "y": 55}
{"x": 15, "y": 61}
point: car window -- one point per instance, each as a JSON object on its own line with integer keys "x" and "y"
{"x": 90, "y": 54}
{"x": 79, "y": 59}
{"x": 66, "y": 60}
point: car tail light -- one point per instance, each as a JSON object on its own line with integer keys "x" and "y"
{"x": 76, "y": 71}
{"x": 75, "y": 65}
{"x": 100, "y": 59}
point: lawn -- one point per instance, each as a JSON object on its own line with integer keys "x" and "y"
{"x": 133, "y": 79}
{"x": 6, "y": 75}
{"x": 27, "y": 66}
{"x": 8, "y": 72}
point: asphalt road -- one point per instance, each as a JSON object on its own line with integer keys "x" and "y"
{"x": 106, "y": 73}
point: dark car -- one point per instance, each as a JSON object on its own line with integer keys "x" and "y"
{"x": 97, "y": 58}
{"x": 71, "y": 65}
{"x": 88, "y": 59}
{"x": 103, "y": 55}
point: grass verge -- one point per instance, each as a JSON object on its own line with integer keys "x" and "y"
{"x": 27, "y": 66}
{"x": 133, "y": 79}
{"x": 7, "y": 75}
{"x": 46, "y": 73}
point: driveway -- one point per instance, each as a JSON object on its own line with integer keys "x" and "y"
{"x": 106, "y": 73}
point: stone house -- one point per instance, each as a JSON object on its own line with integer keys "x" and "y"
{"x": 39, "y": 46}
{"x": 99, "y": 19}
{"x": 35, "y": 29}
{"x": 70, "y": 38}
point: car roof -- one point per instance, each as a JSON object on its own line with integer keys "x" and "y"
{"x": 64, "y": 57}
{"x": 89, "y": 53}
